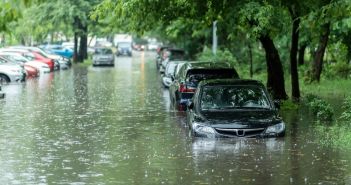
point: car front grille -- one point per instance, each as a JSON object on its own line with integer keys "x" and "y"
{"x": 247, "y": 132}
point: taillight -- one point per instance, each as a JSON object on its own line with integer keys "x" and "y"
{"x": 184, "y": 88}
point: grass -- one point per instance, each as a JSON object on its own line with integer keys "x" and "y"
{"x": 88, "y": 62}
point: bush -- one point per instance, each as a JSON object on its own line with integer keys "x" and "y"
{"x": 346, "y": 115}
{"x": 221, "y": 56}
{"x": 339, "y": 69}
{"x": 320, "y": 108}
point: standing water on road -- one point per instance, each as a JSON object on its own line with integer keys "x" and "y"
{"x": 113, "y": 125}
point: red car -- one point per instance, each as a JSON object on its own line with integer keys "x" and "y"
{"x": 50, "y": 62}
{"x": 31, "y": 71}
{"x": 34, "y": 56}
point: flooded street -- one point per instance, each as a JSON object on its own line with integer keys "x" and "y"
{"x": 113, "y": 125}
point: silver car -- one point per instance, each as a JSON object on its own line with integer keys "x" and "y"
{"x": 103, "y": 56}
{"x": 11, "y": 72}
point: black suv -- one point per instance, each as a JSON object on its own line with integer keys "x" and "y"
{"x": 190, "y": 74}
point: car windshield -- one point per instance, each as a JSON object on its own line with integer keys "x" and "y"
{"x": 124, "y": 44}
{"x": 234, "y": 97}
{"x": 103, "y": 51}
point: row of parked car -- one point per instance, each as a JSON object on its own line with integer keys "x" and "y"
{"x": 20, "y": 62}
{"x": 217, "y": 102}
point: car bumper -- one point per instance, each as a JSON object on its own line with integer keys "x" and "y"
{"x": 103, "y": 62}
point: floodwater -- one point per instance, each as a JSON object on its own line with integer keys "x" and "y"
{"x": 113, "y": 125}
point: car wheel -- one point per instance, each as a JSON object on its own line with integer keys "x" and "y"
{"x": 4, "y": 79}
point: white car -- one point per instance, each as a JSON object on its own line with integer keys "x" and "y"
{"x": 43, "y": 68}
{"x": 64, "y": 63}
{"x": 11, "y": 72}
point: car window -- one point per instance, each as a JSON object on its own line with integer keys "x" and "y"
{"x": 2, "y": 60}
{"x": 124, "y": 45}
{"x": 103, "y": 51}
{"x": 234, "y": 97}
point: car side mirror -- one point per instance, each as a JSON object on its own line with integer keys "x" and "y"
{"x": 276, "y": 104}
{"x": 190, "y": 105}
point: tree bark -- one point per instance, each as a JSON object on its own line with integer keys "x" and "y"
{"x": 275, "y": 80}
{"x": 250, "y": 59}
{"x": 75, "y": 47}
{"x": 83, "y": 44}
{"x": 301, "y": 57}
{"x": 295, "y": 87}
{"x": 317, "y": 65}
{"x": 76, "y": 35}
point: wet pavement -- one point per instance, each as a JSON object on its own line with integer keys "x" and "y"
{"x": 113, "y": 125}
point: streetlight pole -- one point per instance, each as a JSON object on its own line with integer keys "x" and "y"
{"x": 214, "y": 38}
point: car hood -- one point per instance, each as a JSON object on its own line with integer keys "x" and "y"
{"x": 103, "y": 55}
{"x": 241, "y": 119}
{"x": 9, "y": 66}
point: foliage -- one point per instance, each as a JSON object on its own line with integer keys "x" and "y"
{"x": 338, "y": 135}
{"x": 220, "y": 56}
{"x": 320, "y": 108}
{"x": 346, "y": 114}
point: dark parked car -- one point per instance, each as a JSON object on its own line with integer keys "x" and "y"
{"x": 159, "y": 54}
{"x": 233, "y": 108}
{"x": 190, "y": 74}
{"x": 103, "y": 56}
{"x": 124, "y": 48}
{"x": 171, "y": 54}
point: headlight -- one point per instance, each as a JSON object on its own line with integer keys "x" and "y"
{"x": 204, "y": 130}
{"x": 278, "y": 128}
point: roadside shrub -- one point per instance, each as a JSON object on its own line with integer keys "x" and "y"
{"x": 339, "y": 69}
{"x": 320, "y": 108}
{"x": 346, "y": 115}
{"x": 221, "y": 56}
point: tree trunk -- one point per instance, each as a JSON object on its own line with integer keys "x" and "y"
{"x": 302, "y": 50}
{"x": 76, "y": 35}
{"x": 83, "y": 44}
{"x": 295, "y": 87}
{"x": 250, "y": 59}
{"x": 75, "y": 47}
{"x": 317, "y": 65}
{"x": 275, "y": 81}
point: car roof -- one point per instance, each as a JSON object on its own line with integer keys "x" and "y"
{"x": 219, "y": 82}
{"x": 14, "y": 50}
{"x": 208, "y": 65}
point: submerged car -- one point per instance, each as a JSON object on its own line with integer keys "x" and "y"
{"x": 124, "y": 48}
{"x": 60, "y": 50}
{"x": 43, "y": 68}
{"x": 233, "y": 108}
{"x": 190, "y": 74}
{"x": 11, "y": 72}
{"x": 103, "y": 56}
